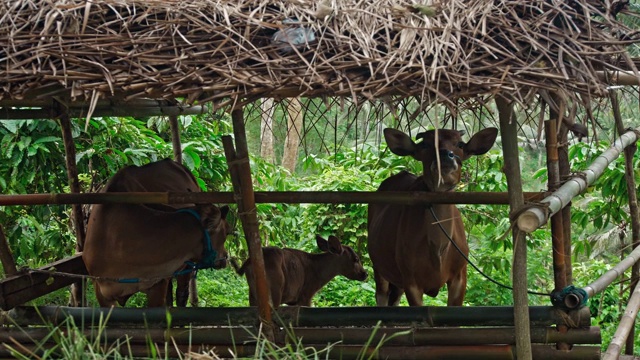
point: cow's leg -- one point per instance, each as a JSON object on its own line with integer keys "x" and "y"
{"x": 170, "y": 292}
{"x": 395, "y": 294}
{"x": 182, "y": 289}
{"x": 382, "y": 289}
{"x": 414, "y": 295}
{"x": 103, "y": 300}
{"x": 193, "y": 291}
{"x": 77, "y": 294}
{"x": 457, "y": 287}
{"x": 157, "y": 294}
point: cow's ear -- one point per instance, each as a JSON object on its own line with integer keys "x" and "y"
{"x": 322, "y": 243}
{"x": 209, "y": 214}
{"x": 399, "y": 143}
{"x": 481, "y": 142}
{"x": 335, "y": 246}
{"x": 224, "y": 211}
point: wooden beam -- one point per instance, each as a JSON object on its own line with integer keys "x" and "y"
{"x": 23, "y": 287}
{"x": 8, "y": 113}
{"x": 266, "y": 197}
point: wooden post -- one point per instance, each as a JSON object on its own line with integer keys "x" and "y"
{"x": 565, "y": 172}
{"x": 8, "y": 263}
{"x": 509, "y": 135}
{"x": 557, "y": 223}
{"x": 557, "y": 228}
{"x": 175, "y": 138}
{"x": 177, "y": 157}
{"x": 240, "y": 171}
{"x": 634, "y": 213}
{"x": 77, "y": 289}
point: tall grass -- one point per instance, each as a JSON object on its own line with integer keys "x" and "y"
{"x": 71, "y": 341}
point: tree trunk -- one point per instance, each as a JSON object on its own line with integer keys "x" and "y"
{"x": 266, "y": 130}
{"x": 294, "y": 129}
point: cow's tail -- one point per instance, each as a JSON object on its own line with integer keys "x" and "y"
{"x": 240, "y": 270}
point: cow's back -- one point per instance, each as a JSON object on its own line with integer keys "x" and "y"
{"x": 160, "y": 176}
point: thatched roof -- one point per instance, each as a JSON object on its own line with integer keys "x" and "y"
{"x": 203, "y": 50}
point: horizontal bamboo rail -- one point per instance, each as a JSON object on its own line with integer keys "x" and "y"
{"x": 537, "y": 216}
{"x": 395, "y": 336}
{"x": 347, "y": 352}
{"x": 292, "y": 197}
{"x": 28, "y": 109}
{"x": 427, "y": 316}
{"x": 626, "y": 324}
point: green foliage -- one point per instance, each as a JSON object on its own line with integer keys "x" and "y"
{"x": 33, "y": 161}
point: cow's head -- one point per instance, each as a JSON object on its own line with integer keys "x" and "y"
{"x": 350, "y": 265}
{"x": 452, "y": 152}
{"x": 214, "y": 220}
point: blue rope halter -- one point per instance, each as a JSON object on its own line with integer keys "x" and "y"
{"x": 208, "y": 258}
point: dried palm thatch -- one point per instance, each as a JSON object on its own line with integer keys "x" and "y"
{"x": 240, "y": 50}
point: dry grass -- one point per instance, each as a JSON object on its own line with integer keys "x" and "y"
{"x": 221, "y": 50}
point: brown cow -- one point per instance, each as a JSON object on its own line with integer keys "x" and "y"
{"x": 145, "y": 242}
{"x": 161, "y": 176}
{"x": 295, "y": 276}
{"x": 410, "y": 252}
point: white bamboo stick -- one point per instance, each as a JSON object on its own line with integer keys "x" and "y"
{"x": 626, "y": 323}
{"x": 536, "y": 216}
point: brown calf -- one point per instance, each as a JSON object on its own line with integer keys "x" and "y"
{"x": 295, "y": 276}
{"x": 409, "y": 250}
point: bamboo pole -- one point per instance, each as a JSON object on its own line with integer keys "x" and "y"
{"x": 78, "y": 291}
{"x": 424, "y": 316}
{"x": 611, "y": 275}
{"x": 239, "y": 168}
{"x": 535, "y": 217}
{"x": 392, "y": 336}
{"x": 509, "y": 136}
{"x": 344, "y": 352}
{"x": 634, "y": 213}
{"x": 557, "y": 228}
{"x": 624, "y": 328}
{"x": 262, "y": 197}
{"x": 8, "y": 263}
{"x": 565, "y": 172}
{"x": 7, "y": 113}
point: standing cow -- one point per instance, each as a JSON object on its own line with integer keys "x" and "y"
{"x": 164, "y": 176}
{"x": 410, "y": 252}
{"x": 150, "y": 242}
{"x": 295, "y": 276}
